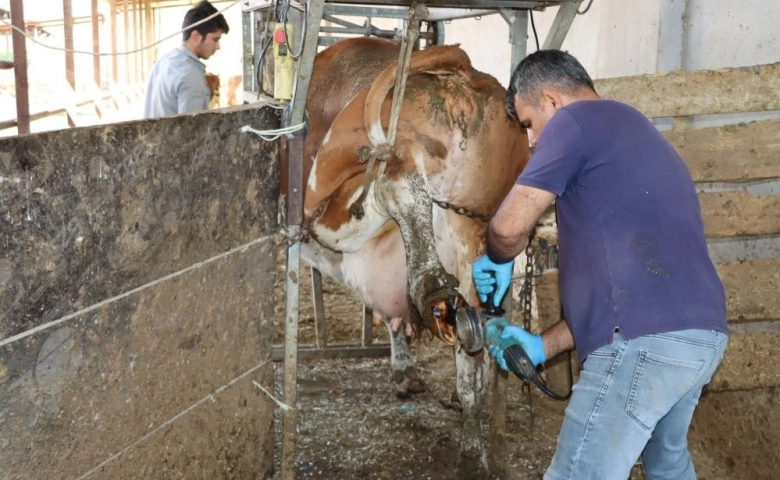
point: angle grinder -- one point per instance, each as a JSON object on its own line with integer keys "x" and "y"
{"x": 476, "y": 329}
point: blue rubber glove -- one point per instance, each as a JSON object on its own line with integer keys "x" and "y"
{"x": 512, "y": 334}
{"x": 487, "y": 273}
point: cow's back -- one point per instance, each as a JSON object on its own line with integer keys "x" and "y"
{"x": 339, "y": 73}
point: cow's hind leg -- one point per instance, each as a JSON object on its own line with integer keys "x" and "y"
{"x": 406, "y": 381}
{"x": 472, "y": 386}
{"x": 406, "y": 199}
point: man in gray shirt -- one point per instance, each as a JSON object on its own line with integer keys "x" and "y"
{"x": 178, "y": 80}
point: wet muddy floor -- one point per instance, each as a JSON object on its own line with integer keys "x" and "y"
{"x": 351, "y": 425}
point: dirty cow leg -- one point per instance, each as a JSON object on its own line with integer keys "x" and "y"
{"x": 405, "y": 378}
{"x": 407, "y": 200}
{"x": 472, "y": 386}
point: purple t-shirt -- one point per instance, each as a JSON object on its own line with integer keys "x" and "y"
{"x": 632, "y": 252}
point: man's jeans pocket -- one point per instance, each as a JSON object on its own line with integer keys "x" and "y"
{"x": 659, "y": 382}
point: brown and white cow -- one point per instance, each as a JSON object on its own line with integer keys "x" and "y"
{"x": 402, "y": 253}
{"x": 212, "y": 80}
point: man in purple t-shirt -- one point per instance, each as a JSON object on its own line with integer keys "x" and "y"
{"x": 644, "y": 306}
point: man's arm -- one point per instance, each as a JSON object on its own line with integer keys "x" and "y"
{"x": 557, "y": 339}
{"x": 515, "y": 220}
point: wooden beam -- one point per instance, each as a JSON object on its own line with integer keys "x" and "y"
{"x": 728, "y": 90}
{"x": 20, "y": 68}
{"x": 732, "y": 153}
{"x": 739, "y": 213}
{"x": 751, "y": 289}
{"x": 751, "y": 361}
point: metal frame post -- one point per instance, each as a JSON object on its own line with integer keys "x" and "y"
{"x": 671, "y": 50}
{"x": 518, "y": 35}
{"x": 294, "y": 220}
{"x": 20, "y": 68}
{"x": 561, "y": 25}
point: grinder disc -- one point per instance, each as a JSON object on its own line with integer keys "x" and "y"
{"x": 470, "y": 331}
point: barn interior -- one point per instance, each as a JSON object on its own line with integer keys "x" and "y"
{"x": 155, "y": 324}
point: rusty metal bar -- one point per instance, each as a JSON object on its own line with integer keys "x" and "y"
{"x": 114, "y": 58}
{"x": 367, "y": 332}
{"x": 335, "y": 352}
{"x": 20, "y": 68}
{"x": 136, "y": 28}
{"x": 126, "y": 46}
{"x": 70, "y": 75}
{"x": 320, "y": 325}
{"x": 292, "y": 294}
{"x": 96, "y": 44}
{"x": 294, "y": 222}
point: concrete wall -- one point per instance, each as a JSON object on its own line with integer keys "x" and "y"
{"x": 137, "y": 263}
{"x": 622, "y": 37}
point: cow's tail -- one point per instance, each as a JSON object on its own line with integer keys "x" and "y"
{"x": 445, "y": 59}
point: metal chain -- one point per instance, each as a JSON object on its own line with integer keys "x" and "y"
{"x": 525, "y": 298}
{"x": 462, "y": 210}
{"x": 304, "y": 234}
{"x": 530, "y": 261}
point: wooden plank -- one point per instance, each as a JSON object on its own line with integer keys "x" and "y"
{"x": 728, "y": 90}
{"x": 732, "y": 153}
{"x": 738, "y": 213}
{"x": 751, "y": 361}
{"x": 751, "y": 292}
{"x": 751, "y": 289}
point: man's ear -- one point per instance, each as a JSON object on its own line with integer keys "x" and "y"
{"x": 552, "y": 98}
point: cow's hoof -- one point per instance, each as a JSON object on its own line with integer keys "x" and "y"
{"x": 407, "y": 382}
{"x": 439, "y": 311}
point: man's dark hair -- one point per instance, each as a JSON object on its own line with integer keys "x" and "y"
{"x": 546, "y": 69}
{"x": 197, "y": 13}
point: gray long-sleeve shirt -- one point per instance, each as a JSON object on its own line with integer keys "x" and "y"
{"x": 177, "y": 84}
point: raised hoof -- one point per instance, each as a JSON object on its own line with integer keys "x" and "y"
{"x": 407, "y": 383}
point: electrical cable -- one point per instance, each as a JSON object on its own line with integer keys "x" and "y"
{"x": 586, "y": 8}
{"x": 129, "y": 52}
{"x": 272, "y": 135}
{"x": 303, "y": 34}
{"x": 533, "y": 27}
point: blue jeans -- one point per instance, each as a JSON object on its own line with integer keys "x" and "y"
{"x": 636, "y": 398}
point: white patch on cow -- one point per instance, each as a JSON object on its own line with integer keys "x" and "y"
{"x": 312, "y": 184}
{"x": 326, "y": 139}
{"x": 377, "y": 134}
{"x": 351, "y": 236}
